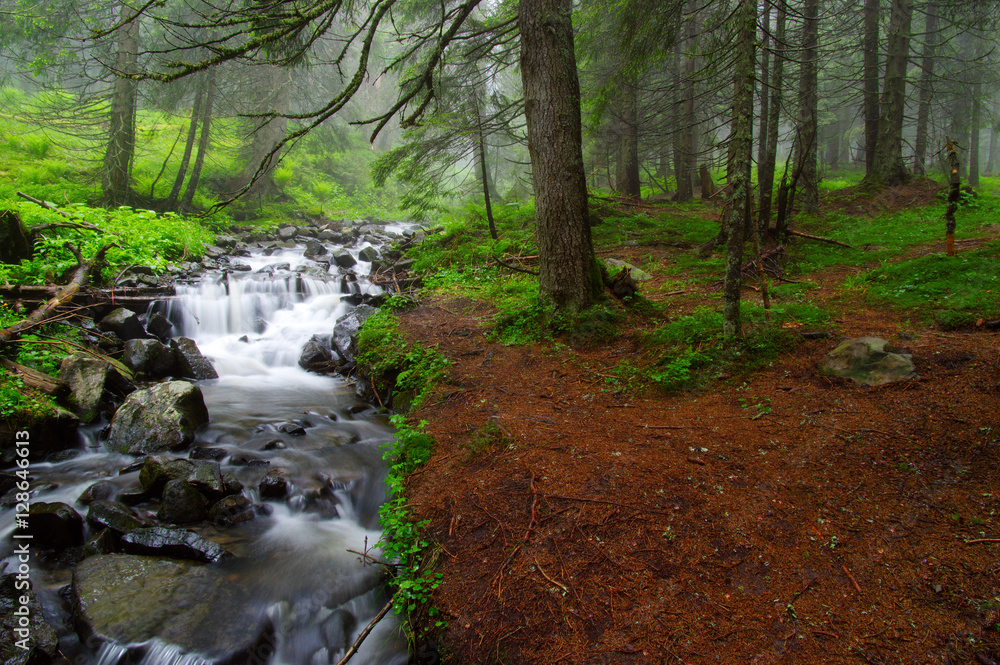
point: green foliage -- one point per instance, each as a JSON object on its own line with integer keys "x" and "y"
{"x": 487, "y": 438}
{"x": 21, "y": 405}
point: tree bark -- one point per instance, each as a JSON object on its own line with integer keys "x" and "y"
{"x": 807, "y": 124}
{"x": 629, "y": 185}
{"x": 870, "y": 57}
{"x": 737, "y": 212}
{"x": 976, "y": 120}
{"x": 926, "y": 89}
{"x": 199, "y": 96}
{"x": 991, "y": 158}
{"x": 267, "y": 133}
{"x": 889, "y": 169}
{"x": 116, "y": 175}
{"x": 484, "y": 174}
{"x": 767, "y": 166}
{"x": 206, "y": 128}
{"x": 568, "y": 273}
{"x": 954, "y": 182}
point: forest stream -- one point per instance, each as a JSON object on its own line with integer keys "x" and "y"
{"x": 292, "y": 587}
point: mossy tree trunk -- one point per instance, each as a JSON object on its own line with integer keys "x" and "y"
{"x": 807, "y": 124}
{"x": 568, "y": 273}
{"x": 927, "y": 60}
{"x": 116, "y": 175}
{"x": 769, "y": 138}
{"x": 737, "y": 212}
{"x": 869, "y": 48}
{"x": 888, "y": 168}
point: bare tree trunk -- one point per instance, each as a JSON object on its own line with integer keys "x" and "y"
{"x": 977, "y": 105}
{"x": 484, "y": 174}
{"x": 737, "y": 212}
{"x": 889, "y": 169}
{"x": 206, "y": 126}
{"x": 991, "y": 158}
{"x": 199, "y": 96}
{"x": 116, "y": 176}
{"x": 870, "y": 55}
{"x": 629, "y": 185}
{"x": 568, "y": 272}
{"x": 926, "y": 89}
{"x": 807, "y": 124}
{"x": 267, "y": 133}
{"x": 954, "y": 182}
{"x": 767, "y": 166}
{"x": 765, "y": 99}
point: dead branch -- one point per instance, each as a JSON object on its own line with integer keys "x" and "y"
{"x": 35, "y": 379}
{"x": 353, "y": 649}
{"x": 80, "y": 277}
{"x": 55, "y": 225}
{"x": 818, "y": 238}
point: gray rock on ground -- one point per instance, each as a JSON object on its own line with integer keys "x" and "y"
{"x": 868, "y": 361}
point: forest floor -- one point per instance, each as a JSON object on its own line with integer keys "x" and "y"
{"x": 775, "y": 516}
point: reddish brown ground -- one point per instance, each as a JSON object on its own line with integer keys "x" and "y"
{"x": 832, "y": 524}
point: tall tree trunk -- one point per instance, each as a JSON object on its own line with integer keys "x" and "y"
{"x": 274, "y": 98}
{"x": 954, "y": 193}
{"x": 869, "y": 49}
{"x": 484, "y": 174}
{"x": 976, "y": 120}
{"x": 116, "y": 175}
{"x": 991, "y": 158}
{"x": 206, "y": 126}
{"x": 684, "y": 112}
{"x": 629, "y": 185}
{"x": 737, "y": 212}
{"x": 889, "y": 169}
{"x": 568, "y": 273}
{"x": 199, "y": 97}
{"x": 807, "y": 124}
{"x": 767, "y": 166}
{"x": 926, "y": 89}
{"x": 765, "y": 100}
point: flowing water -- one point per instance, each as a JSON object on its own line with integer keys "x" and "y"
{"x": 294, "y": 561}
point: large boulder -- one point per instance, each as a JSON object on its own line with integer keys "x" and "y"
{"x": 868, "y": 361}
{"x": 182, "y": 503}
{"x": 317, "y": 354}
{"x": 344, "y": 259}
{"x": 150, "y": 357}
{"x": 345, "y": 331}
{"x": 85, "y": 376}
{"x": 132, "y": 599}
{"x": 124, "y": 323}
{"x": 191, "y": 363}
{"x": 54, "y": 525}
{"x": 163, "y": 417}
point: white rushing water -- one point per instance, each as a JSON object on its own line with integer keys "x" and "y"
{"x": 297, "y": 558}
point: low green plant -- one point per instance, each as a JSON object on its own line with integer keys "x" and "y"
{"x": 487, "y": 438}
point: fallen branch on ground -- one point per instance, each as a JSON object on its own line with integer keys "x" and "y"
{"x": 818, "y": 238}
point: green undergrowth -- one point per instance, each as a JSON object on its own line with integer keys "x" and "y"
{"x": 413, "y": 370}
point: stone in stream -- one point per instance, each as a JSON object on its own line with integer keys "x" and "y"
{"x": 150, "y": 358}
{"x": 159, "y": 326}
{"x": 287, "y": 232}
{"x": 345, "y": 331}
{"x": 131, "y": 599}
{"x": 175, "y": 543}
{"x": 231, "y": 510}
{"x": 344, "y": 259}
{"x": 868, "y": 361}
{"x": 114, "y": 515}
{"x": 314, "y": 250}
{"x": 25, "y": 637}
{"x": 191, "y": 364}
{"x": 181, "y": 503}
{"x": 86, "y": 377}
{"x": 368, "y": 254}
{"x": 101, "y": 490}
{"x": 163, "y": 417}
{"x": 54, "y": 525}
{"x": 317, "y": 354}
{"x": 124, "y": 323}
{"x": 274, "y": 485}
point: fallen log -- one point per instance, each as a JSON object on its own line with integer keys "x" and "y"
{"x": 65, "y": 294}
{"x": 35, "y": 379}
{"x": 818, "y": 238}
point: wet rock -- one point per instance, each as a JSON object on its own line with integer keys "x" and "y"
{"x": 150, "y": 357}
{"x": 157, "y": 471}
{"x": 54, "y": 525}
{"x": 86, "y": 377}
{"x": 114, "y": 515}
{"x": 191, "y": 364}
{"x": 344, "y": 259}
{"x": 345, "y": 331}
{"x": 233, "y": 484}
{"x": 314, "y": 250}
{"x": 868, "y": 361}
{"x": 231, "y": 510}
{"x": 131, "y": 599}
{"x": 208, "y": 452}
{"x": 317, "y": 354}
{"x": 124, "y": 323}
{"x": 25, "y": 637}
{"x": 206, "y": 477}
{"x": 292, "y": 429}
{"x": 368, "y": 254}
{"x": 213, "y": 252}
{"x": 177, "y": 543}
{"x": 159, "y": 326}
{"x": 182, "y": 503}
{"x": 163, "y": 417}
{"x": 274, "y": 485}
{"x": 287, "y": 232}
{"x": 242, "y": 459}
{"x": 102, "y": 490}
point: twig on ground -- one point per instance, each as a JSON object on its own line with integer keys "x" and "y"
{"x": 353, "y": 649}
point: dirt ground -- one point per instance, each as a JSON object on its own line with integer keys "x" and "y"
{"x": 777, "y": 517}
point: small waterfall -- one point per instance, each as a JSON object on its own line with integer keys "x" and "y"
{"x": 294, "y": 559}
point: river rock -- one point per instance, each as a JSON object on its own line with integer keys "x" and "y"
{"x": 54, "y": 525}
{"x": 368, "y": 254}
{"x": 344, "y": 259}
{"x": 231, "y": 510}
{"x": 287, "y": 232}
{"x": 317, "y": 353}
{"x": 104, "y": 542}
{"x": 206, "y": 477}
{"x": 191, "y": 364}
{"x": 85, "y": 376}
{"x": 182, "y": 503}
{"x": 114, "y": 515}
{"x": 163, "y": 417}
{"x": 868, "y": 361}
{"x": 102, "y": 490}
{"x": 176, "y": 543}
{"x": 157, "y": 471}
{"x": 345, "y": 331}
{"x": 274, "y": 485}
{"x": 314, "y": 250}
{"x": 150, "y": 357}
{"x": 208, "y": 452}
{"x": 159, "y": 326}
{"x": 20, "y": 644}
{"x": 124, "y": 323}
{"x": 132, "y": 599}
